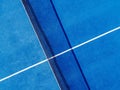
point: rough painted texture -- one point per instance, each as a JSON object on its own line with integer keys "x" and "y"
{"x": 19, "y": 48}
{"x": 83, "y": 20}
{"x": 67, "y": 63}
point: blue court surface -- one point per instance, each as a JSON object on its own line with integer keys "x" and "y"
{"x": 32, "y": 31}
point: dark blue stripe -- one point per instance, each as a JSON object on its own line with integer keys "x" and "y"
{"x": 69, "y": 44}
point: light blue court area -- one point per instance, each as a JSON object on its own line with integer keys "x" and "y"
{"x": 33, "y": 30}
{"x": 101, "y": 62}
{"x": 83, "y": 20}
{"x": 20, "y": 48}
{"x": 62, "y": 24}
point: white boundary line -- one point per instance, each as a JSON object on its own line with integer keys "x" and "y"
{"x": 59, "y": 54}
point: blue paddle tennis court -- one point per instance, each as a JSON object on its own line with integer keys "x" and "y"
{"x": 60, "y": 45}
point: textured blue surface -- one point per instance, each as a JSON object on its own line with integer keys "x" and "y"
{"x": 51, "y": 27}
{"x": 20, "y": 48}
{"x": 80, "y": 20}
{"x": 101, "y": 62}
{"x": 83, "y": 20}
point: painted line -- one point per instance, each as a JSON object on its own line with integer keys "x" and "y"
{"x": 59, "y": 54}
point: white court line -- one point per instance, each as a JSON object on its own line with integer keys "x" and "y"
{"x": 59, "y": 54}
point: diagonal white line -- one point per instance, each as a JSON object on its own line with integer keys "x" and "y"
{"x": 59, "y": 54}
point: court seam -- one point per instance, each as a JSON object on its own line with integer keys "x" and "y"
{"x": 59, "y": 54}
